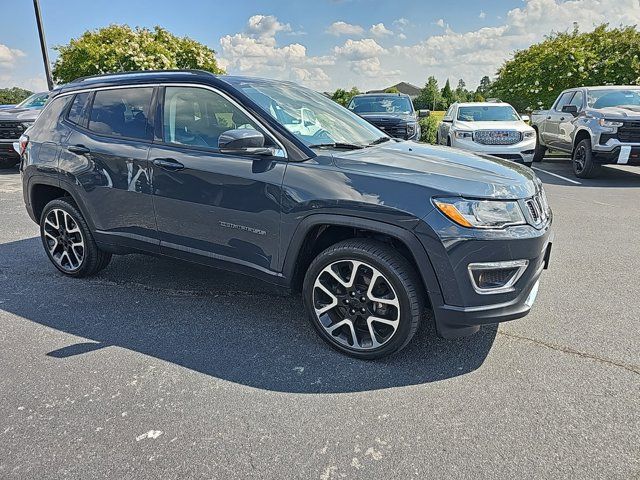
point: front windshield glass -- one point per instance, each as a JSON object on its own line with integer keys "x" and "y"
{"x": 486, "y": 113}
{"x": 37, "y": 100}
{"x": 614, "y": 98}
{"x": 312, "y": 117}
{"x": 381, "y": 104}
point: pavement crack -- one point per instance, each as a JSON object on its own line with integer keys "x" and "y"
{"x": 572, "y": 351}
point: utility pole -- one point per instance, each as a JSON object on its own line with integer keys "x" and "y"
{"x": 43, "y": 45}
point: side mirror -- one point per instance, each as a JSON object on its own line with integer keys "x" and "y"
{"x": 525, "y": 118}
{"x": 447, "y": 120}
{"x": 572, "y": 109}
{"x": 243, "y": 141}
{"x": 423, "y": 113}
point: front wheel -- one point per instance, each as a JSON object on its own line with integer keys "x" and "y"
{"x": 583, "y": 161}
{"x": 540, "y": 151}
{"x": 363, "y": 298}
{"x": 68, "y": 242}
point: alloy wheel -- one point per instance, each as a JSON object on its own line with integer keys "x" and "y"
{"x": 64, "y": 240}
{"x": 579, "y": 157}
{"x": 356, "y": 305}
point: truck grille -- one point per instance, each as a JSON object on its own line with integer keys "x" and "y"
{"x": 629, "y": 132}
{"x": 497, "y": 137}
{"x": 11, "y": 130}
{"x": 396, "y": 131}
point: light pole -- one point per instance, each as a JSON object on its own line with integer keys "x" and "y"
{"x": 43, "y": 45}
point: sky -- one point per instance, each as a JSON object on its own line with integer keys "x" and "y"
{"x": 324, "y": 44}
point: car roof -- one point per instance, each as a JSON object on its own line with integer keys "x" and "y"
{"x": 483, "y": 104}
{"x": 382, "y": 94}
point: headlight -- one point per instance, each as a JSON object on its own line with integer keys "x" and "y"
{"x": 529, "y": 134}
{"x": 26, "y": 125}
{"x": 481, "y": 213}
{"x": 609, "y": 123}
{"x": 411, "y": 128}
{"x": 463, "y": 134}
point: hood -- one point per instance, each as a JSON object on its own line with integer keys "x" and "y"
{"x": 19, "y": 114}
{"x": 388, "y": 118}
{"x": 622, "y": 111}
{"x": 517, "y": 125}
{"x": 445, "y": 170}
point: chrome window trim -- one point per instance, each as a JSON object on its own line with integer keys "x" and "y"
{"x": 282, "y": 149}
{"x": 507, "y": 287}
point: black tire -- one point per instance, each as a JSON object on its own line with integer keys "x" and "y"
{"x": 448, "y": 141}
{"x": 92, "y": 258}
{"x": 540, "y": 150}
{"x": 406, "y": 287}
{"x": 437, "y": 138}
{"x": 7, "y": 163}
{"x": 583, "y": 161}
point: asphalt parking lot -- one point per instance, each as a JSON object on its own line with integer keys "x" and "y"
{"x": 159, "y": 369}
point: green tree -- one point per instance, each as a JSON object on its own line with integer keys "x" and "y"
{"x": 119, "y": 48}
{"x": 461, "y": 93}
{"x": 534, "y": 77}
{"x": 448, "y": 97}
{"x": 343, "y": 97}
{"x": 429, "y": 97}
{"x": 484, "y": 88}
{"x": 392, "y": 90}
{"x": 11, "y": 96}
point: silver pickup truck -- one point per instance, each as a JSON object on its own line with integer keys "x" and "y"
{"x": 596, "y": 125}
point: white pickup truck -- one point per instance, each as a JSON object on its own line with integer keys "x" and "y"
{"x": 596, "y": 125}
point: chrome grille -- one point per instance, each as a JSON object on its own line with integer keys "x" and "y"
{"x": 11, "y": 130}
{"x": 538, "y": 209}
{"x": 497, "y": 137}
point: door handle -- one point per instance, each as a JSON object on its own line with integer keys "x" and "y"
{"x": 168, "y": 164}
{"x": 78, "y": 149}
{"x": 549, "y": 117}
{"x": 561, "y": 118}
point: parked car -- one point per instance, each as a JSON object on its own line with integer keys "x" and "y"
{"x": 3, "y": 107}
{"x": 14, "y": 122}
{"x": 392, "y": 113}
{"x": 271, "y": 179}
{"x": 490, "y": 128}
{"x": 596, "y": 125}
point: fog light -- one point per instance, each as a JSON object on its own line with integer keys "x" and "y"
{"x": 496, "y": 277}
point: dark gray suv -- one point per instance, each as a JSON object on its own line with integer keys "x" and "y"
{"x": 276, "y": 181}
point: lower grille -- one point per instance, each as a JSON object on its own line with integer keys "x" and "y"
{"x": 629, "y": 132}
{"x": 10, "y": 130}
{"x": 497, "y": 137}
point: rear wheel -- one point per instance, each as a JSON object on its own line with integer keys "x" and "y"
{"x": 583, "y": 161}
{"x": 68, "y": 242}
{"x": 363, "y": 298}
{"x": 540, "y": 151}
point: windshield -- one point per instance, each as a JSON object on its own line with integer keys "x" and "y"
{"x": 614, "y": 98}
{"x": 486, "y": 113}
{"x": 381, "y": 104}
{"x": 37, "y": 100}
{"x": 312, "y": 117}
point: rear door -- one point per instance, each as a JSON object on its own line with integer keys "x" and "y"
{"x": 212, "y": 205}
{"x": 106, "y": 157}
{"x": 555, "y": 116}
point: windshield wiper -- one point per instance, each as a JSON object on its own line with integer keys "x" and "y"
{"x": 379, "y": 141}
{"x": 345, "y": 146}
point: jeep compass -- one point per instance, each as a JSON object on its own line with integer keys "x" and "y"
{"x": 277, "y": 181}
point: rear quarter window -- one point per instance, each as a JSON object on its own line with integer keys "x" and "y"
{"x": 44, "y": 128}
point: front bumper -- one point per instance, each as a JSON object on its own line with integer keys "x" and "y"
{"x": 458, "y": 309}
{"x": 521, "y": 152}
{"x": 619, "y": 154}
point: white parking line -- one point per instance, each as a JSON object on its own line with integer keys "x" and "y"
{"x": 558, "y": 176}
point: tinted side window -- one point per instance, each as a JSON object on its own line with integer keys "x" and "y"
{"x": 197, "y": 117}
{"x": 78, "y": 110}
{"x": 564, "y": 100}
{"x": 577, "y": 100}
{"x": 122, "y": 112}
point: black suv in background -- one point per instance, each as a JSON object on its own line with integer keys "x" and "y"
{"x": 391, "y": 112}
{"x": 277, "y": 181}
{"x": 14, "y": 122}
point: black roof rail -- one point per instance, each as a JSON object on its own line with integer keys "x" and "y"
{"x": 140, "y": 72}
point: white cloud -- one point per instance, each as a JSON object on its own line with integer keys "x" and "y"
{"x": 342, "y": 28}
{"x": 482, "y": 14}
{"x": 359, "y": 49}
{"x": 401, "y": 23}
{"x": 8, "y": 56}
{"x": 266, "y": 25}
{"x": 379, "y": 30}
{"x": 402, "y": 36}
{"x": 440, "y": 23}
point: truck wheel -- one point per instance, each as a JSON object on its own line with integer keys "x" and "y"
{"x": 584, "y": 165}
{"x": 363, "y": 298}
{"x": 438, "y": 138}
{"x": 7, "y": 163}
{"x": 68, "y": 241}
{"x": 538, "y": 154}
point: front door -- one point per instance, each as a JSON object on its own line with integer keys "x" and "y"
{"x": 209, "y": 204}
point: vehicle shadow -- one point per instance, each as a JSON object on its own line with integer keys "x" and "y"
{"x": 610, "y": 177}
{"x": 219, "y": 324}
